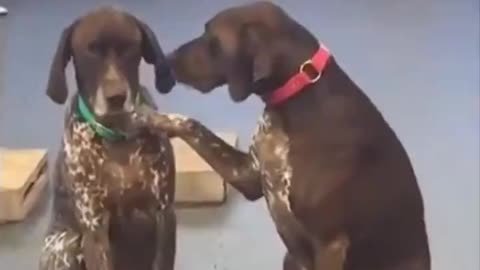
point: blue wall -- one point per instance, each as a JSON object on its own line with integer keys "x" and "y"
{"x": 417, "y": 60}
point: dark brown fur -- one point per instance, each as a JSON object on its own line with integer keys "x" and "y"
{"x": 352, "y": 199}
{"x": 113, "y": 200}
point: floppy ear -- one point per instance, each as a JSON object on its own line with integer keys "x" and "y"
{"x": 153, "y": 54}
{"x": 239, "y": 74}
{"x": 57, "y": 84}
{"x": 243, "y": 66}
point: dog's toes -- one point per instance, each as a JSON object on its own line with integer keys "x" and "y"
{"x": 170, "y": 123}
{"x": 142, "y": 114}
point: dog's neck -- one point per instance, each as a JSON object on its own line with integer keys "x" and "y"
{"x": 309, "y": 72}
{"x": 72, "y": 118}
{"x": 301, "y": 109}
{"x": 79, "y": 133}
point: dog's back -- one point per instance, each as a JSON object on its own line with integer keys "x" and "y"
{"x": 353, "y": 169}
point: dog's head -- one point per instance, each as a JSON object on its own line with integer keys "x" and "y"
{"x": 106, "y": 47}
{"x": 251, "y": 48}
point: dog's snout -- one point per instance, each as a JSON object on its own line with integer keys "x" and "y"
{"x": 117, "y": 100}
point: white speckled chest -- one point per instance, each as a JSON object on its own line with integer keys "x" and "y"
{"x": 96, "y": 181}
{"x": 270, "y": 151}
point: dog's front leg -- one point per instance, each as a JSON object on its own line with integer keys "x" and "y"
{"x": 331, "y": 255}
{"x": 236, "y": 167}
{"x": 166, "y": 234}
{"x": 96, "y": 246}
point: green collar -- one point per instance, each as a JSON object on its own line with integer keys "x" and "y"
{"x": 84, "y": 112}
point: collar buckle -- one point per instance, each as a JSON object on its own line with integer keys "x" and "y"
{"x": 309, "y": 65}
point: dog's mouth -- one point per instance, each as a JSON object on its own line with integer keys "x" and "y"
{"x": 204, "y": 87}
{"x": 114, "y": 120}
{"x": 113, "y": 125}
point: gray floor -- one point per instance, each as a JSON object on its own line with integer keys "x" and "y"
{"x": 417, "y": 60}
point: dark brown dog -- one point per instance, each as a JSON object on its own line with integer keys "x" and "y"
{"x": 338, "y": 183}
{"x": 113, "y": 197}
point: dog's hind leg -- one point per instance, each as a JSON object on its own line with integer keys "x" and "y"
{"x": 166, "y": 234}
{"x": 61, "y": 251}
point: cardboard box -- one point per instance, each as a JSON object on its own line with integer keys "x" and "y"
{"x": 197, "y": 183}
{"x": 23, "y": 177}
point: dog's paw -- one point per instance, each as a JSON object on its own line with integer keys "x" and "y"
{"x": 143, "y": 115}
{"x": 172, "y": 124}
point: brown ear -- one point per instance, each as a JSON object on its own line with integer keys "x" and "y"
{"x": 153, "y": 54}
{"x": 240, "y": 75}
{"x": 242, "y": 64}
{"x": 57, "y": 84}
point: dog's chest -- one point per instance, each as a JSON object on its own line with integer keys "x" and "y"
{"x": 271, "y": 149}
{"x": 99, "y": 177}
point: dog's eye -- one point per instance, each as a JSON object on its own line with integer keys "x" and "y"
{"x": 95, "y": 49}
{"x": 214, "y": 46}
{"x": 125, "y": 50}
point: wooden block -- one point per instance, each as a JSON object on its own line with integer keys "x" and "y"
{"x": 197, "y": 183}
{"x": 23, "y": 177}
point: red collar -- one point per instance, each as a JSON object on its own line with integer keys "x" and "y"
{"x": 300, "y": 80}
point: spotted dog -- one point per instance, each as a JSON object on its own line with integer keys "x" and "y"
{"x": 113, "y": 180}
{"x": 338, "y": 182}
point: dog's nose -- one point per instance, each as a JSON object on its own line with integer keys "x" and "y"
{"x": 116, "y": 101}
